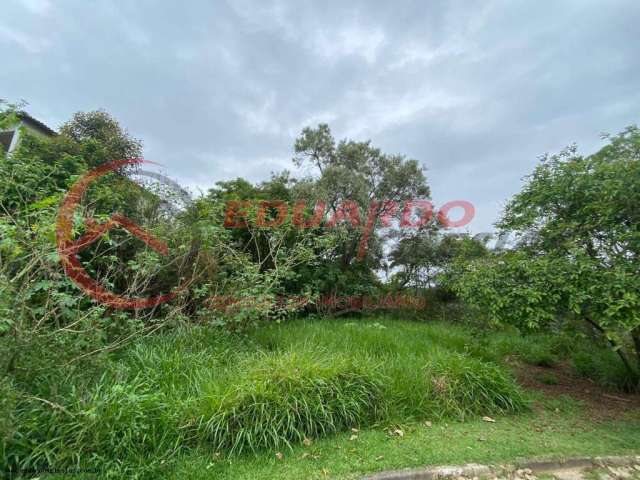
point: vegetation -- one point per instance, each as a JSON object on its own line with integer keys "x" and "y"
{"x": 564, "y": 432}
{"x": 578, "y": 254}
{"x": 234, "y": 369}
{"x": 198, "y": 390}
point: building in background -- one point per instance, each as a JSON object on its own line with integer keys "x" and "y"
{"x": 9, "y": 139}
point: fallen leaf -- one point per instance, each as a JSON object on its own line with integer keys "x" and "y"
{"x": 380, "y": 457}
{"x": 482, "y": 439}
{"x": 305, "y": 455}
{"x": 307, "y": 441}
{"x": 279, "y": 456}
{"x": 353, "y": 437}
{"x": 355, "y": 430}
{"x": 428, "y": 424}
{"x": 398, "y": 432}
{"x": 488, "y": 419}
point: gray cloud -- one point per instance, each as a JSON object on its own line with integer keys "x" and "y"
{"x": 475, "y": 91}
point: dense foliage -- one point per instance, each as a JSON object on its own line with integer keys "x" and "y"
{"x": 85, "y": 384}
{"x": 578, "y": 256}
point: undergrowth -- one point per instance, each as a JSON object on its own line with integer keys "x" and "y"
{"x": 281, "y": 398}
{"x": 272, "y": 388}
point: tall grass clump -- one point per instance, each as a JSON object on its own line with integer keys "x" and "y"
{"x": 122, "y": 429}
{"x": 541, "y": 349}
{"x": 460, "y": 386}
{"x": 176, "y": 363}
{"x": 279, "y": 398}
{"x": 429, "y": 370}
{"x": 125, "y": 421}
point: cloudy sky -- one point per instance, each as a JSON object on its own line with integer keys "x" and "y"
{"x": 474, "y": 90}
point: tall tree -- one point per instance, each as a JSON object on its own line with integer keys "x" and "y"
{"x": 350, "y": 171}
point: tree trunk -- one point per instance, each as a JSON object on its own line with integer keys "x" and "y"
{"x": 635, "y": 334}
{"x": 614, "y": 345}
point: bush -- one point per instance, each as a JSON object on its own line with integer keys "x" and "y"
{"x": 284, "y": 398}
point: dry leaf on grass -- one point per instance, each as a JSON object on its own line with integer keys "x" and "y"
{"x": 488, "y": 419}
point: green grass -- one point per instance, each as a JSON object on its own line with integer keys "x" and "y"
{"x": 190, "y": 394}
{"x": 284, "y": 398}
{"x": 429, "y": 369}
{"x": 560, "y": 428}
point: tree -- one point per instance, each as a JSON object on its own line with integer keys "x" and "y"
{"x": 350, "y": 171}
{"x": 422, "y": 255}
{"x": 578, "y": 222}
{"x": 103, "y": 137}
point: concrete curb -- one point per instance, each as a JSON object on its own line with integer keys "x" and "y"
{"x": 477, "y": 470}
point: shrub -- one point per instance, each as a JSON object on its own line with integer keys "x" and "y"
{"x": 286, "y": 397}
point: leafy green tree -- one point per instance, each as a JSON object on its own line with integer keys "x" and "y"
{"x": 421, "y": 256}
{"x": 102, "y": 138}
{"x": 578, "y": 256}
{"x": 350, "y": 171}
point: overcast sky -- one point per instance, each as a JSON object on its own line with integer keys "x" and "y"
{"x": 474, "y": 90}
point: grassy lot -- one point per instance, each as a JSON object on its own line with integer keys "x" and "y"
{"x": 325, "y": 398}
{"x": 544, "y": 432}
{"x": 554, "y": 425}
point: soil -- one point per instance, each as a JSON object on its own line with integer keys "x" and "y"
{"x": 601, "y": 403}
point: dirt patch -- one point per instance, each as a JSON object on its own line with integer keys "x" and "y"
{"x": 561, "y": 380}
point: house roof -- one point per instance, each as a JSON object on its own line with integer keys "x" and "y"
{"x": 25, "y": 117}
